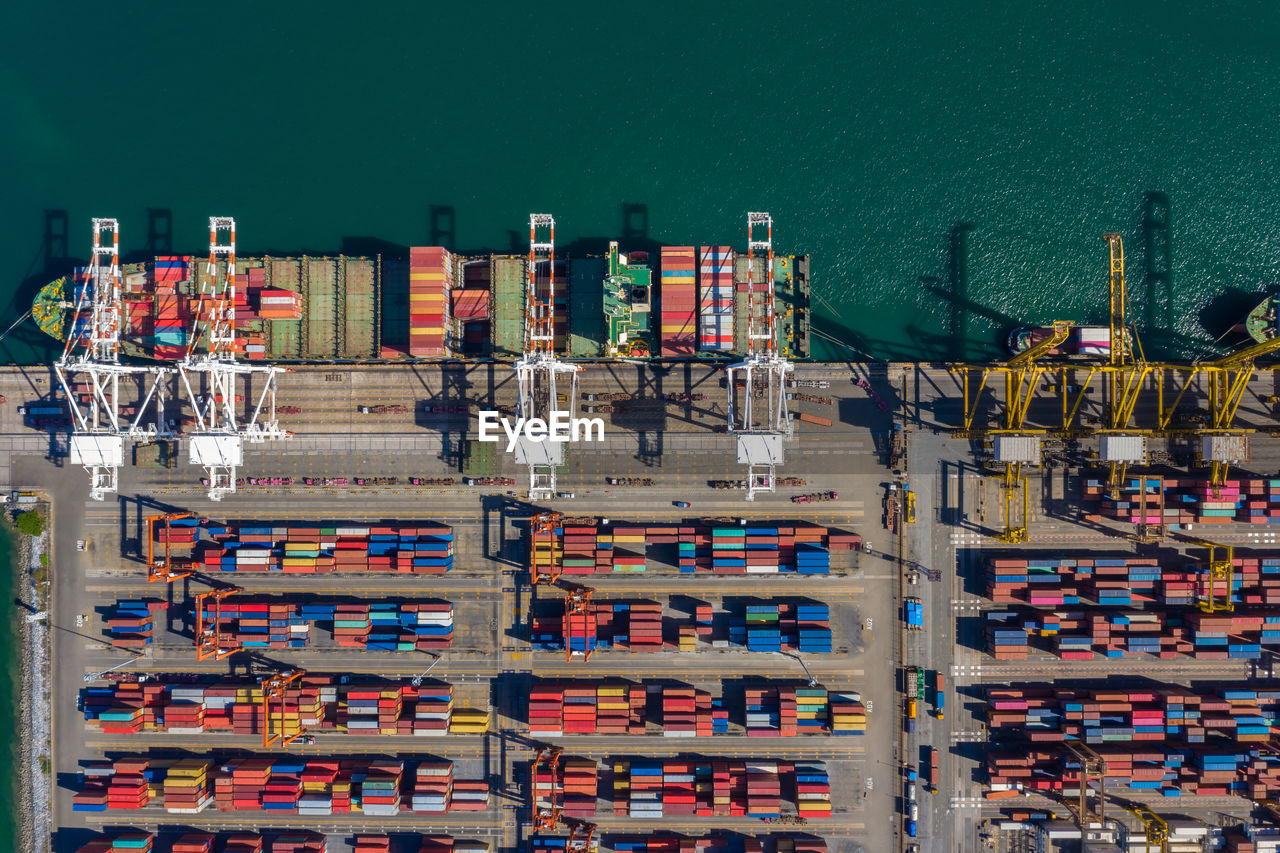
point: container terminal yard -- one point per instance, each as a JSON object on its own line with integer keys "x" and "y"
{"x": 780, "y": 606}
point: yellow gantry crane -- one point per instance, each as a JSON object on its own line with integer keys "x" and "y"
{"x": 1221, "y": 575}
{"x": 1228, "y": 377}
{"x": 1154, "y": 827}
{"x": 1126, "y": 372}
{"x": 1092, "y": 766}
{"x": 1014, "y": 444}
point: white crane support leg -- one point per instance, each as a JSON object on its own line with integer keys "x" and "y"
{"x": 760, "y": 421}
{"x": 217, "y": 444}
{"x": 92, "y": 351}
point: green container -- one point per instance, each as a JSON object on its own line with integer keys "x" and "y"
{"x": 358, "y": 303}
{"x": 320, "y": 308}
{"x": 507, "y": 301}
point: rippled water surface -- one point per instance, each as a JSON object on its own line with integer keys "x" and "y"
{"x": 951, "y": 167}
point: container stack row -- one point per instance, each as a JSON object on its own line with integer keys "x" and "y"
{"x": 1142, "y": 769}
{"x": 558, "y": 710}
{"x": 131, "y": 624}
{"x": 581, "y": 787}
{"x": 271, "y": 841}
{"x": 766, "y": 626}
{"x": 178, "y": 531}
{"x": 715, "y": 302}
{"x": 813, "y": 789}
{"x": 172, "y": 315}
{"x": 430, "y": 280}
{"x": 848, "y": 714}
{"x": 279, "y": 305}
{"x": 384, "y": 626}
{"x": 772, "y": 843}
{"x": 1252, "y": 500}
{"x": 687, "y": 712}
{"x": 281, "y": 841}
{"x": 319, "y": 703}
{"x": 309, "y": 549}
{"x": 313, "y": 787}
{"x": 657, "y": 788}
{"x": 470, "y": 307}
{"x": 805, "y": 628}
{"x": 1079, "y": 635}
{"x": 635, "y": 625}
{"x": 1239, "y": 715}
{"x": 580, "y": 630}
{"x": 558, "y": 290}
{"x": 787, "y": 711}
{"x": 594, "y": 549}
{"x": 679, "y": 294}
{"x": 1053, "y": 581}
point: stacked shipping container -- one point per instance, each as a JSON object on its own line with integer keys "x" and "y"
{"x": 430, "y": 281}
{"x": 772, "y": 843}
{"x": 770, "y": 627}
{"x": 1079, "y": 634}
{"x": 278, "y": 304}
{"x": 313, "y": 787}
{"x": 386, "y": 626}
{"x": 470, "y": 306}
{"x": 687, "y": 712}
{"x": 1253, "y": 500}
{"x": 307, "y": 549}
{"x": 1148, "y": 769}
{"x": 656, "y": 788}
{"x": 715, "y": 307}
{"x": 580, "y": 781}
{"x": 132, "y": 622}
{"x": 610, "y": 549}
{"x": 557, "y": 710}
{"x": 1043, "y": 580}
{"x": 319, "y": 703}
{"x": 679, "y": 323}
{"x": 1240, "y": 715}
{"x": 171, "y": 314}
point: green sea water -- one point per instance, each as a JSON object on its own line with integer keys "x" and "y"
{"x": 951, "y": 167}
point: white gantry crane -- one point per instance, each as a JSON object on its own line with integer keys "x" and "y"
{"x": 546, "y": 384}
{"x": 90, "y": 367}
{"x": 217, "y": 444}
{"x": 758, "y": 384}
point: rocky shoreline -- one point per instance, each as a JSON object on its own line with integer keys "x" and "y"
{"x": 34, "y": 770}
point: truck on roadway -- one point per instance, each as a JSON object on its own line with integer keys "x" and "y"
{"x": 912, "y": 682}
{"x": 933, "y": 770}
{"x": 939, "y": 695}
{"x": 913, "y": 613}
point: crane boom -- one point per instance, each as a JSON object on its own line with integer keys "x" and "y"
{"x": 92, "y": 351}
{"x": 543, "y": 380}
{"x": 760, "y": 421}
{"x": 217, "y": 444}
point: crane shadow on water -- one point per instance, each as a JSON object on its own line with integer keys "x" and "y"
{"x": 956, "y": 343}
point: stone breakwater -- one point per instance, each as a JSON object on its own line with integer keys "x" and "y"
{"x": 34, "y": 816}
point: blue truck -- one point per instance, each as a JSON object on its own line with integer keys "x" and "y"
{"x": 913, "y": 612}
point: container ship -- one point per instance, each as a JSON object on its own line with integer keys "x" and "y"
{"x": 686, "y": 302}
{"x": 1086, "y": 343}
{"x": 1263, "y": 322}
